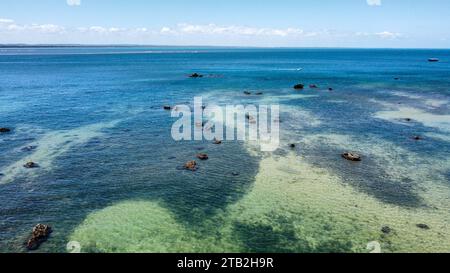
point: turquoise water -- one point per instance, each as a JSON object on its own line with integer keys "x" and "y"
{"x": 108, "y": 163}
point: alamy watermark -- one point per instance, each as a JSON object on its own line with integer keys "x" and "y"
{"x": 260, "y": 123}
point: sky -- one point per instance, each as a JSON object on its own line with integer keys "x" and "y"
{"x": 265, "y": 23}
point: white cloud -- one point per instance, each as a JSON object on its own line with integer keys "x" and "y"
{"x": 74, "y": 2}
{"x": 388, "y": 35}
{"x": 212, "y": 29}
{"x": 374, "y": 2}
{"x": 6, "y": 21}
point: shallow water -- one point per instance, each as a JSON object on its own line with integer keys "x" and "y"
{"x": 110, "y": 175}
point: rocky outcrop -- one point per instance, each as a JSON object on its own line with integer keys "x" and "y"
{"x": 202, "y": 156}
{"x": 352, "y": 156}
{"x": 191, "y": 166}
{"x": 39, "y": 235}
{"x": 423, "y": 226}
{"x": 196, "y": 75}
{"x": 31, "y": 165}
{"x": 299, "y": 86}
{"x": 386, "y": 230}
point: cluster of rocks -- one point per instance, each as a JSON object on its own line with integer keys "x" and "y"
{"x": 39, "y": 235}
{"x": 248, "y": 93}
{"x": 388, "y": 230}
{"x": 301, "y": 86}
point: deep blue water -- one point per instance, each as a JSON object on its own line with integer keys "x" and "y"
{"x": 45, "y": 90}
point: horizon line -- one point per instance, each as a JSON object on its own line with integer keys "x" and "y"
{"x": 43, "y": 45}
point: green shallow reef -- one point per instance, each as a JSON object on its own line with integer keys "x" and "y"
{"x": 292, "y": 207}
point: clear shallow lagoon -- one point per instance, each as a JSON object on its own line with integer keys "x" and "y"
{"x": 109, "y": 173}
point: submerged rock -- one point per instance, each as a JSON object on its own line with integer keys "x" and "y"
{"x": 39, "y": 235}
{"x": 352, "y": 156}
{"x": 196, "y": 75}
{"x": 423, "y": 226}
{"x": 299, "y": 86}
{"x": 396, "y": 78}
{"x": 191, "y": 165}
{"x": 235, "y": 174}
{"x": 330, "y": 89}
{"x": 31, "y": 165}
{"x": 29, "y": 148}
{"x": 5, "y": 130}
{"x": 202, "y": 156}
{"x": 386, "y": 230}
{"x": 259, "y": 93}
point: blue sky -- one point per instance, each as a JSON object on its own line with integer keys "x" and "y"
{"x": 293, "y": 23}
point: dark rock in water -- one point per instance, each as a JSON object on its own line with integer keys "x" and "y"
{"x": 292, "y": 146}
{"x": 299, "y": 86}
{"x": 417, "y": 138}
{"x": 313, "y": 86}
{"x": 351, "y": 156}
{"x": 217, "y": 142}
{"x": 191, "y": 166}
{"x": 5, "y": 130}
{"x": 247, "y": 93}
{"x": 31, "y": 165}
{"x": 202, "y": 156}
{"x": 196, "y": 75}
{"x": 433, "y": 60}
{"x": 167, "y": 107}
{"x": 423, "y": 226}
{"x": 29, "y": 148}
{"x": 39, "y": 235}
{"x": 330, "y": 89}
{"x": 386, "y": 230}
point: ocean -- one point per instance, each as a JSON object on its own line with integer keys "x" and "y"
{"x": 110, "y": 175}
